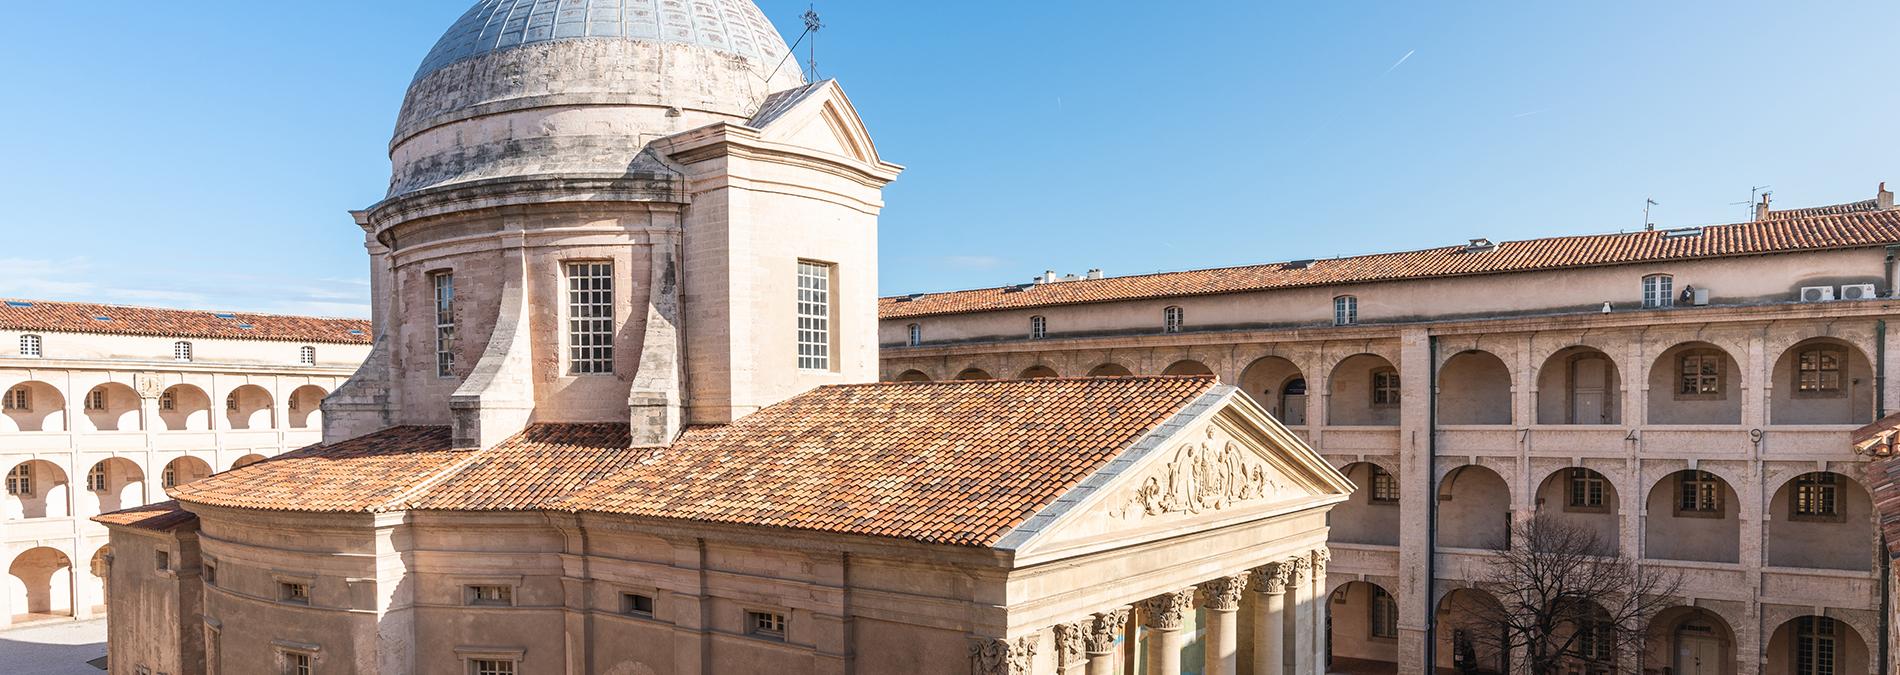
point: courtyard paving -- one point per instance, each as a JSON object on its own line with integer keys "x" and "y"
{"x": 53, "y": 648}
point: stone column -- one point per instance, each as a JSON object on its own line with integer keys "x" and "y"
{"x": 1164, "y": 615}
{"x": 1320, "y": 606}
{"x": 1300, "y": 610}
{"x": 1099, "y": 640}
{"x": 999, "y": 656}
{"x": 1221, "y": 599}
{"x": 1269, "y": 623}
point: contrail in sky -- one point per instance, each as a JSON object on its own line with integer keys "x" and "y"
{"x": 1401, "y": 61}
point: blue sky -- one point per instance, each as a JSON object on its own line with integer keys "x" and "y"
{"x": 204, "y": 154}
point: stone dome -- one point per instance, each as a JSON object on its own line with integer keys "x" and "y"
{"x": 550, "y": 88}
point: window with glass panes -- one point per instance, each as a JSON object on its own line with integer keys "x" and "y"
{"x": 1659, "y": 290}
{"x": 168, "y": 401}
{"x": 16, "y": 398}
{"x": 96, "y": 399}
{"x": 169, "y": 477}
{"x": 1385, "y": 486}
{"x": 1699, "y": 492}
{"x": 20, "y": 480}
{"x": 1818, "y": 372}
{"x": 1345, "y": 310}
{"x": 443, "y": 284}
{"x": 491, "y": 667}
{"x": 1596, "y": 640}
{"x": 1701, "y": 374}
{"x": 1385, "y": 614}
{"x": 814, "y": 316}
{"x": 1038, "y": 328}
{"x": 30, "y": 346}
{"x": 765, "y": 624}
{"x": 1816, "y": 495}
{"x": 1173, "y": 319}
{"x": 1587, "y": 488}
{"x": 916, "y": 335}
{"x": 293, "y": 592}
{"x": 1815, "y": 646}
{"x": 1385, "y": 387}
{"x": 491, "y": 595}
{"x": 181, "y": 351}
{"x": 307, "y": 355}
{"x": 96, "y": 477}
{"x": 231, "y": 402}
{"x": 590, "y": 318}
{"x": 296, "y": 663}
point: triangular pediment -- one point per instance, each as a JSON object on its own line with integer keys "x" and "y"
{"x": 817, "y": 117}
{"x": 1230, "y": 463}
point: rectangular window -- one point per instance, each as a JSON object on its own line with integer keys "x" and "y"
{"x": 20, "y": 480}
{"x": 1699, "y": 492}
{"x": 1702, "y": 375}
{"x": 916, "y": 336}
{"x": 181, "y": 351}
{"x": 1385, "y": 387}
{"x": 1038, "y": 328}
{"x": 814, "y": 316}
{"x": 294, "y": 593}
{"x": 30, "y": 346}
{"x": 96, "y": 477}
{"x": 1816, "y": 495}
{"x": 443, "y": 284}
{"x": 768, "y": 625}
{"x": 636, "y": 604}
{"x": 1345, "y": 310}
{"x": 1659, "y": 290}
{"x": 164, "y": 560}
{"x": 492, "y": 596}
{"x": 167, "y": 402}
{"x": 491, "y": 667}
{"x": 96, "y": 400}
{"x": 1586, "y": 489}
{"x": 16, "y": 399}
{"x": 1173, "y": 319}
{"x": 210, "y": 574}
{"x": 307, "y": 355}
{"x": 1818, "y": 372}
{"x": 1385, "y": 487}
{"x": 1385, "y": 614}
{"x": 590, "y": 318}
{"x": 1815, "y": 646}
{"x": 296, "y": 663}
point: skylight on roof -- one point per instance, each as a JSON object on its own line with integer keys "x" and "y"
{"x": 225, "y": 315}
{"x": 17, "y": 303}
{"x": 1684, "y": 232}
{"x": 101, "y": 318}
{"x": 246, "y": 326}
{"x": 356, "y": 331}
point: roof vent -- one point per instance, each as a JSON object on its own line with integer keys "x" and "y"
{"x": 1682, "y": 232}
{"x": 1479, "y": 245}
{"x": 18, "y": 303}
{"x": 1018, "y": 288}
{"x": 225, "y": 315}
{"x": 102, "y": 318}
{"x": 356, "y": 331}
{"x": 1298, "y": 265}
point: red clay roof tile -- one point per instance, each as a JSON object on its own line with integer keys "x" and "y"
{"x": 80, "y": 317}
{"x": 165, "y": 516}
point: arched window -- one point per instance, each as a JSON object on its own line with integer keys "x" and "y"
{"x": 916, "y": 336}
{"x": 1345, "y": 310}
{"x": 96, "y": 478}
{"x": 1818, "y": 372}
{"x": 1659, "y": 290}
{"x": 1038, "y": 327}
{"x": 20, "y": 481}
{"x": 30, "y": 346}
{"x": 1172, "y": 319}
{"x": 181, "y": 351}
{"x": 307, "y": 355}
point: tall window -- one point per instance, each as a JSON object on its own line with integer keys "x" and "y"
{"x": 1038, "y": 327}
{"x": 1818, "y": 372}
{"x": 590, "y": 318}
{"x": 916, "y": 336}
{"x": 168, "y": 401}
{"x": 307, "y": 355}
{"x": 296, "y": 663}
{"x": 96, "y": 399}
{"x": 1596, "y": 641}
{"x": 169, "y": 477}
{"x": 1699, "y": 492}
{"x": 1345, "y": 310}
{"x": 96, "y": 477}
{"x": 1385, "y": 614}
{"x": 1172, "y": 319}
{"x": 17, "y": 398}
{"x": 1659, "y": 290}
{"x": 1702, "y": 374}
{"x": 1815, "y": 646}
{"x": 814, "y": 316}
{"x": 20, "y": 480}
{"x": 1587, "y": 489}
{"x": 491, "y": 667}
{"x": 1816, "y": 495}
{"x": 30, "y": 346}
{"x": 231, "y": 402}
{"x": 444, "y": 285}
{"x": 1385, "y": 487}
{"x": 181, "y": 351}
{"x": 1385, "y": 387}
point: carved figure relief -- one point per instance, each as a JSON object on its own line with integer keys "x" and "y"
{"x": 996, "y": 656}
{"x": 1201, "y": 478}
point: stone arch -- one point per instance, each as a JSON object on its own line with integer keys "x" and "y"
{"x": 1695, "y": 383}
{"x": 182, "y": 470}
{"x": 1188, "y": 367}
{"x": 1474, "y": 509}
{"x": 33, "y": 406}
{"x": 1844, "y": 641}
{"x": 248, "y": 407}
{"x": 1690, "y": 641}
{"x": 185, "y": 407}
{"x": 1110, "y": 369}
{"x": 912, "y": 375}
{"x": 112, "y": 406}
{"x": 123, "y": 484}
{"x": 1682, "y": 523}
{"x": 1037, "y": 372}
{"x": 973, "y": 373}
{"x": 1584, "y": 498}
{"x": 1277, "y": 384}
{"x": 1579, "y": 384}
{"x": 1821, "y": 380}
{"x": 304, "y": 408}
{"x": 100, "y": 566}
{"x": 247, "y": 460}
{"x": 1363, "y": 391}
{"x": 1364, "y": 616}
{"x": 36, "y": 488}
{"x": 1371, "y": 514}
{"x": 40, "y": 583}
{"x": 1474, "y": 387}
{"x": 1461, "y": 612}
{"x": 1815, "y": 520}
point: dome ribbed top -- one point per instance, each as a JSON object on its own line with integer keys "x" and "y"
{"x": 731, "y": 26}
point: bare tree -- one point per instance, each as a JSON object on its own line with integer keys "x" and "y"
{"x": 1564, "y": 606}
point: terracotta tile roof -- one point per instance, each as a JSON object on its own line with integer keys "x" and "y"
{"x": 370, "y": 473}
{"x": 1848, "y": 230}
{"x": 941, "y": 462}
{"x": 1877, "y": 439}
{"x": 533, "y": 469}
{"x": 165, "y": 516}
{"x": 1862, "y": 206}
{"x": 80, "y": 317}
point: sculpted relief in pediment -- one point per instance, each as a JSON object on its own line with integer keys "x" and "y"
{"x": 1207, "y": 475}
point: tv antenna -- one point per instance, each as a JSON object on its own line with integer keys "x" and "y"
{"x": 1647, "y": 203}
{"x": 1754, "y": 197}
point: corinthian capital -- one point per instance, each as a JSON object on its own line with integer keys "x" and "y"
{"x": 1104, "y": 628}
{"x": 1223, "y": 594}
{"x": 1321, "y": 556}
{"x": 1271, "y": 578}
{"x": 1167, "y": 611}
{"x": 998, "y": 656}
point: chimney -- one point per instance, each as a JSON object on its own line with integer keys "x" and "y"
{"x": 1761, "y": 210}
{"x": 1097, "y": 273}
{"x": 1883, "y": 198}
{"x": 1049, "y": 276}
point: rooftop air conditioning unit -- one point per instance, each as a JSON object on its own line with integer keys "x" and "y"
{"x": 1857, "y": 292}
{"x": 1817, "y": 293}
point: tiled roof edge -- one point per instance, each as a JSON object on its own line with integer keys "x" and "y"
{"x": 1134, "y": 454}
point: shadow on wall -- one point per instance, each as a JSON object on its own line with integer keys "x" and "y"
{"x": 63, "y": 648}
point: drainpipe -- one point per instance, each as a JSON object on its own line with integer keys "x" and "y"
{"x": 1880, "y": 368}
{"x": 1431, "y": 507}
{"x": 1880, "y": 412}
